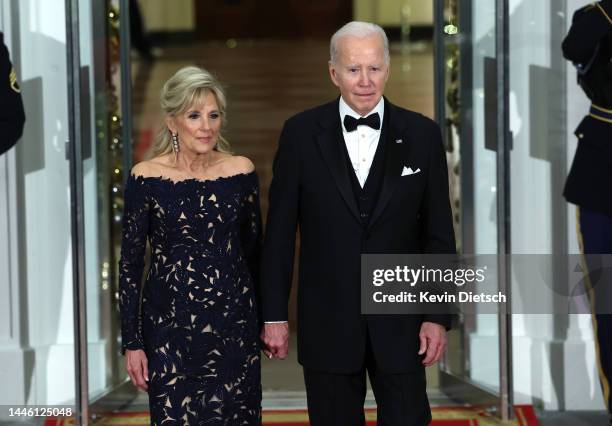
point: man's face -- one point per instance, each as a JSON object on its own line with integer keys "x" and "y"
{"x": 360, "y": 71}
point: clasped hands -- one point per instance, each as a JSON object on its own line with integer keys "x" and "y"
{"x": 432, "y": 337}
{"x": 275, "y": 338}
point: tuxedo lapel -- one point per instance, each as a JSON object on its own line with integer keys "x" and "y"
{"x": 396, "y": 153}
{"x": 329, "y": 141}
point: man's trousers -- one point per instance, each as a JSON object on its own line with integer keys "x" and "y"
{"x": 595, "y": 233}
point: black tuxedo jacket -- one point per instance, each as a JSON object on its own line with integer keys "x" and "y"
{"x": 311, "y": 189}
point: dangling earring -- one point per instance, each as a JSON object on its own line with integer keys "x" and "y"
{"x": 175, "y": 145}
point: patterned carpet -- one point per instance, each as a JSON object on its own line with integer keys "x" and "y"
{"x": 442, "y": 416}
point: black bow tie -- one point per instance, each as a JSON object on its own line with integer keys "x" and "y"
{"x": 372, "y": 120}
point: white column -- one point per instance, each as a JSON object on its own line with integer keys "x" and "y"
{"x": 16, "y": 358}
{"x": 37, "y": 350}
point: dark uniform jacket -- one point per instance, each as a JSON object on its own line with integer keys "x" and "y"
{"x": 12, "y": 116}
{"x": 313, "y": 188}
{"x": 589, "y": 46}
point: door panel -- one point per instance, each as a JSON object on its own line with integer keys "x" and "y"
{"x": 474, "y": 370}
{"x": 221, "y": 19}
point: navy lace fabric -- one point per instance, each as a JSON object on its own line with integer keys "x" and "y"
{"x": 198, "y": 318}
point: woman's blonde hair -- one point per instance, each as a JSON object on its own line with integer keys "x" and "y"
{"x": 186, "y": 88}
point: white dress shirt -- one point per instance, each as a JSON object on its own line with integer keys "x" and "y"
{"x": 361, "y": 144}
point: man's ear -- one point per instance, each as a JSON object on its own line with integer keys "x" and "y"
{"x": 333, "y": 74}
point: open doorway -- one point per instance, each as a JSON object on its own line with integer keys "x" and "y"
{"x": 272, "y": 60}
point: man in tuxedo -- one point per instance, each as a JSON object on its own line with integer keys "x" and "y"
{"x": 340, "y": 175}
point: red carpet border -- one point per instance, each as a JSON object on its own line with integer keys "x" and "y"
{"x": 442, "y": 416}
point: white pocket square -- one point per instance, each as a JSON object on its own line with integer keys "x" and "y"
{"x": 408, "y": 171}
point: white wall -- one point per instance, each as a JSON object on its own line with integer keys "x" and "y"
{"x": 36, "y": 357}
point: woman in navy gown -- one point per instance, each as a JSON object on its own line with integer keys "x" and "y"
{"x": 192, "y": 339}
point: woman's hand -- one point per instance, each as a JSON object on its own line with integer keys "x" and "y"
{"x": 137, "y": 367}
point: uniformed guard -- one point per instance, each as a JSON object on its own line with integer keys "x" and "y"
{"x": 12, "y": 116}
{"x": 589, "y": 184}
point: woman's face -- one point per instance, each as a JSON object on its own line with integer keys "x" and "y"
{"x": 198, "y": 127}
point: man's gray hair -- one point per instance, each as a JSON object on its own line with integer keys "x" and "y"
{"x": 360, "y": 30}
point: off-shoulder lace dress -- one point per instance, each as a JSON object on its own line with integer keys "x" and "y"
{"x": 197, "y": 321}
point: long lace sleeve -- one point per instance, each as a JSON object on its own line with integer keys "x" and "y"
{"x": 131, "y": 264}
{"x": 251, "y": 232}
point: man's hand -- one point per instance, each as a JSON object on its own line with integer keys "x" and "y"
{"x": 433, "y": 342}
{"x": 275, "y": 337}
{"x": 137, "y": 367}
